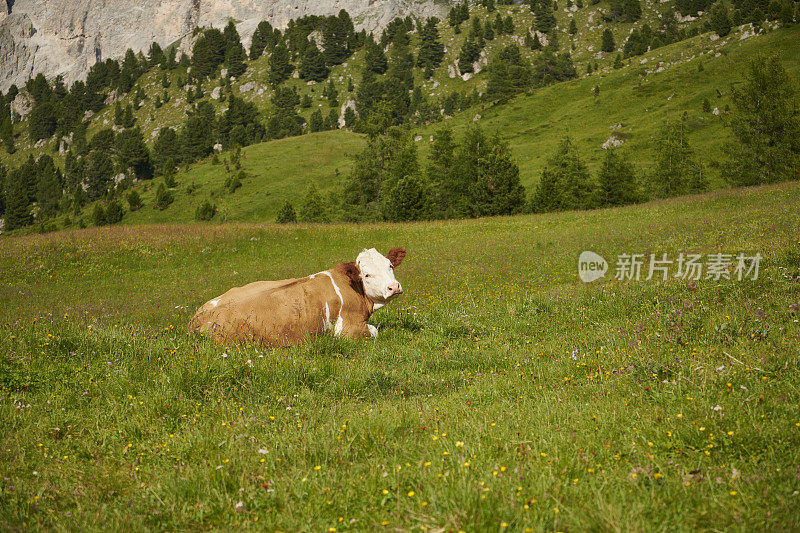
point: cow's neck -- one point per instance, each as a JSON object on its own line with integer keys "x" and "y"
{"x": 353, "y": 292}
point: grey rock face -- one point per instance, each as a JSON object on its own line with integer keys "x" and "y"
{"x": 68, "y": 36}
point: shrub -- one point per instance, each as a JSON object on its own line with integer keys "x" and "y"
{"x": 134, "y": 200}
{"x": 206, "y": 211}
{"x": 114, "y": 212}
{"x": 163, "y": 197}
{"x": 169, "y": 180}
{"x": 233, "y": 182}
{"x": 99, "y": 215}
{"x": 286, "y": 214}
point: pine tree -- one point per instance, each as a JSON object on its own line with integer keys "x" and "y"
{"x": 118, "y": 114}
{"x": 49, "y": 191}
{"x": 280, "y": 67}
{"x": 128, "y": 119}
{"x": 99, "y": 170}
{"x": 3, "y": 176}
{"x": 203, "y": 64}
{"x": 635, "y": 44}
{"x": 234, "y": 51}
{"x": 156, "y": 55}
{"x": 608, "y": 44}
{"x": 485, "y": 179}
{"x": 313, "y": 208}
{"x": 536, "y": 44}
{"x": 18, "y": 213}
{"x": 677, "y": 170}
{"x": 165, "y": 147}
{"x": 335, "y": 35}
{"x": 134, "y": 201}
{"x": 470, "y": 52}
{"x": 7, "y": 133}
{"x": 509, "y": 74}
{"x": 477, "y": 28}
{"x": 440, "y": 173}
{"x": 431, "y": 50}
{"x": 786, "y": 15}
{"x": 499, "y": 190}
{"x": 565, "y": 182}
{"x": 488, "y": 30}
{"x": 552, "y": 41}
{"x": 78, "y": 199}
{"x": 766, "y": 126}
{"x": 196, "y": 137}
{"x": 544, "y": 18}
{"x": 262, "y": 37}
{"x": 234, "y": 59}
{"x": 286, "y": 214}
{"x": 374, "y": 59}
{"x": 99, "y": 215}
{"x": 42, "y": 120}
{"x": 617, "y": 181}
{"x": 390, "y": 154}
{"x": 133, "y": 153}
{"x": 407, "y": 200}
{"x": 28, "y": 171}
{"x": 169, "y": 174}
{"x": 217, "y": 42}
{"x": 349, "y": 118}
{"x": 129, "y": 72}
{"x": 312, "y": 64}
{"x": 573, "y": 28}
{"x": 720, "y": 20}
{"x": 547, "y": 197}
{"x": 508, "y": 25}
{"x": 315, "y": 122}
{"x": 331, "y": 93}
{"x": 163, "y": 197}
{"x": 205, "y": 211}
{"x": 114, "y": 212}
{"x": 631, "y": 10}
{"x": 551, "y": 68}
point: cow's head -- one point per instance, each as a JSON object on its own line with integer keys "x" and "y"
{"x": 377, "y": 274}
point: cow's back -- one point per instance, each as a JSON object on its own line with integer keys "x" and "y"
{"x": 270, "y": 312}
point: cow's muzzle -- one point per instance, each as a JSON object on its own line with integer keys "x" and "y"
{"x": 393, "y": 290}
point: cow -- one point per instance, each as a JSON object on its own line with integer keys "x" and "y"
{"x": 289, "y": 311}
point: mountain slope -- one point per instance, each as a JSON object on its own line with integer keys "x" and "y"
{"x": 67, "y": 37}
{"x": 533, "y": 123}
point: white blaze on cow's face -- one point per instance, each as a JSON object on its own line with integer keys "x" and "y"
{"x": 377, "y": 274}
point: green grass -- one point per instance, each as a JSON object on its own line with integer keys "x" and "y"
{"x": 469, "y": 412}
{"x": 275, "y": 171}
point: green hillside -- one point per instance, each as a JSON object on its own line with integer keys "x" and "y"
{"x": 502, "y": 393}
{"x": 631, "y": 104}
{"x": 634, "y": 97}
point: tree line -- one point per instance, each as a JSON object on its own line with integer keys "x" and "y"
{"x": 477, "y": 176}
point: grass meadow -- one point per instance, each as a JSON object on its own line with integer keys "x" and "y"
{"x": 502, "y": 394}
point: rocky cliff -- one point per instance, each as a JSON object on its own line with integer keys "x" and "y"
{"x": 68, "y": 36}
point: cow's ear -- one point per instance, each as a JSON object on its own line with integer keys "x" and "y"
{"x": 396, "y": 256}
{"x": 352, "y": 271}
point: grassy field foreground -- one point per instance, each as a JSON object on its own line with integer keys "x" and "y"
{"x": 502, "y": 395}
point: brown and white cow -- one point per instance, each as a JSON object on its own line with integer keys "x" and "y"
{"x": 279, "y": 313}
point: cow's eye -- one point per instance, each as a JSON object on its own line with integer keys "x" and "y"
{"x": 367, "y": 275}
